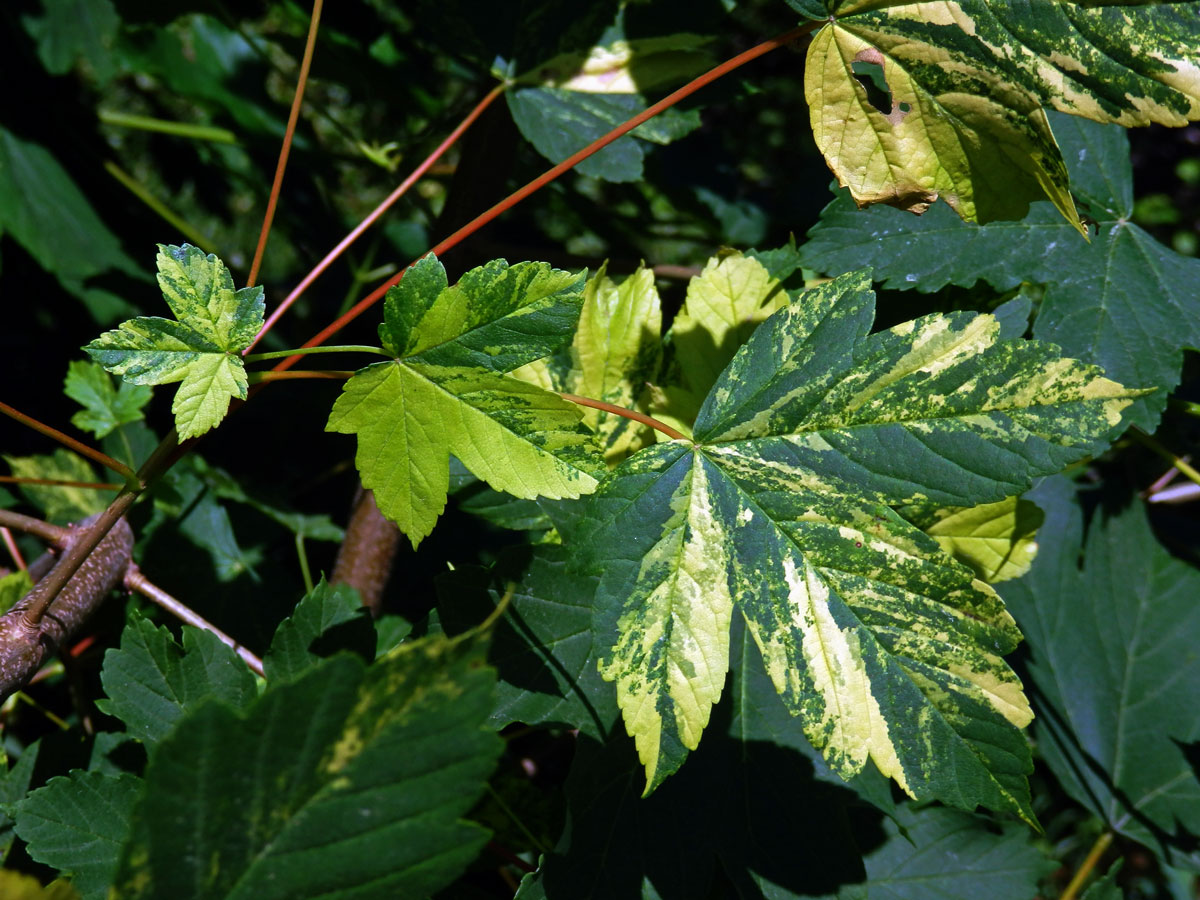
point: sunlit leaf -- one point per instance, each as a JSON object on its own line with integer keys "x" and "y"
{"x": 884, "y": 647}
{"x": 201, "y": 348}
{"x": 1095, "y": 304}
{"x": 995, "y": 539}
{"x": 566, "y": 103}
{"x": 911, "y": 101}
{"x": 448, "y": 392}
{"x": 615, "y": 353}
{"x": 724, "y": 304}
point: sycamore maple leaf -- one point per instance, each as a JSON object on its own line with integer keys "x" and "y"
{"x": 448, "y": 392}
{"x": 960, "y": 85}
{"x": 201, "y": 348}
{"x": 779, "y": 510}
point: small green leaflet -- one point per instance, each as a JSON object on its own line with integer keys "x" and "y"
{"x": 201, "y": 349}
{"x": 105, "y": 408}
{"x": 77, "y": 824}
{"x": 448, "y": 392}
{"x": 883, "y": 646}
{"x": 960, "y": 114}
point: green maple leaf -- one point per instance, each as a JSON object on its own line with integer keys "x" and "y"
{"x": 884, "y": 647}
{"x": 448, "y": 392}
{"x": 105, "y": 408}
{"x": 957, "y": 111}
{"x": 201, "y": 348}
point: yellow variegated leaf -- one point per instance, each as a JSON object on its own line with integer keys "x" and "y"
{"x": 988, "y": 157}
{"x": 670, "y": 661}
{"x": 911, "y": 101}
{"x": 615, "y": 352}
{"x": 201, "y": 347}
{"x": 448, "y": 392}
{"x": 884, "y": 647}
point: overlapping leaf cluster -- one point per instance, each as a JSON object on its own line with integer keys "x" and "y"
{"x": 816, "y": 546}
{"x": 777, "y": 508}
{"x": 380, "y": 770}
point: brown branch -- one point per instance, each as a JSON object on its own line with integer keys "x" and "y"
{"x": 14, "y": 552}
{"x": 79, "y": 557}
{"x": 293, "y": 117}
{"x": 26, "y": 640}
{"x": 51, "y": 534}
{"x": 67, "y": 441}
{"x": 364, "y": 560}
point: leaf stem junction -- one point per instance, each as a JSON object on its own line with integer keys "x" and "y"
{"x": 627, "y": 414}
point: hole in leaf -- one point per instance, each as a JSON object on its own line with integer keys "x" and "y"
{"x": 870, "y": 76}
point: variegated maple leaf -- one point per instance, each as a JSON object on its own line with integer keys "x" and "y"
{"x": 779, "y": 510}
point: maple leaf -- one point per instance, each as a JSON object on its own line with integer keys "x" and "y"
{"x": 778, "y": 509}
{"x": 956, "y": 110}
{"x": 201, "y": 348}
{"x": 448, "y": 392}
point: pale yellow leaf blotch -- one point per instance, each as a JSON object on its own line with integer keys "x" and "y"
{"x": 625, "y": 67}
{"x": 674, "y": 641}
{"x": 853, "y": 728}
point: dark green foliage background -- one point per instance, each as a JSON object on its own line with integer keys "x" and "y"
{"x": 754, "y": 813}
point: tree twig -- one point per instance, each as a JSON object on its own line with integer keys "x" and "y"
{"x": 627, "y": 414}
{"x": 551, "y": 174}
{"x": 293, "y": 116}
{"x": 136, "y": 581}
{"x": 26, "y": 637}
{"x": 1085, "y": 868}
{"x": 51, "y": 534}
{"x": 67, "y": 441}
